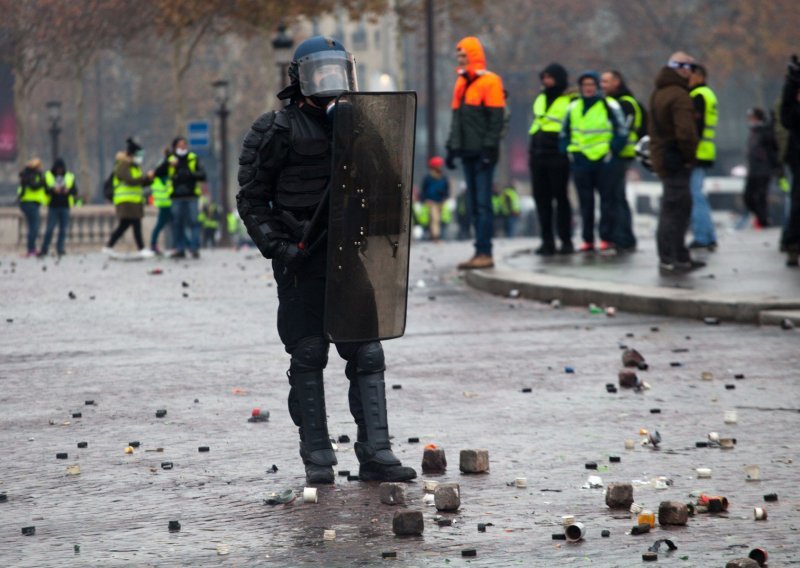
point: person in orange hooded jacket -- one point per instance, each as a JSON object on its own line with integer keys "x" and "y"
{"x": 475, "y": 132}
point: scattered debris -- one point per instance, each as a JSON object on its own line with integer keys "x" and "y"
{"x": 408, "y": 523}
{"x": 474, "y": 461}
{"x": 281, "y": 498}
{"x": 392, "y": 493}
{"x": 433, "y": 459}
{"x": 174, "y": 526}
{"x": 447, "y": 497}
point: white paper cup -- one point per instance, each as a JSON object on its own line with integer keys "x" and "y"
{"x": 223, "y": 549}
{"x": 713, "y": 436}
{"x": 753, "y": 472}
{"x": 521, "y": 482}
{"x": 730, "y": 417}
{"x": 329, "y": 534}
{"x": 630, "y": 444}
{"x": 703, "y": 472}
{"x": 759, "y": 513}
{"x": 310, "y": 495}
{"x": 567, "y": 520}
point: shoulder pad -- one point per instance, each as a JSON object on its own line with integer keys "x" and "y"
{"x": 282, "y": 119}
{"x": 264, "y": 122}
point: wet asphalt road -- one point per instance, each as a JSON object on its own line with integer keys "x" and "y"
{"x": 133, "y": 343}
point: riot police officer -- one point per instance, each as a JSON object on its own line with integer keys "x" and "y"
{"x": 284, "y": 171}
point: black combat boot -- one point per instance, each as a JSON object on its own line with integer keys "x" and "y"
{"x": 315, "y": 443}
{"x": 373, "y": 450}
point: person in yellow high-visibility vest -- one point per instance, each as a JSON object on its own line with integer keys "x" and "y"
{"x": 594, "y": 134}
{"x": 706, "y": 116}
{"x": 61, "y": 195}
{"x": 549, "y": 167}
{"x": 613, "y": 84}
{"x": 208, "y": 217}
{"x": 161, "y": 189}
{"x": 32, "y": 194}
{"x": 129, "y": 184}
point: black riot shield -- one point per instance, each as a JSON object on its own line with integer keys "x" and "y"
{"x": 369, "y": 228}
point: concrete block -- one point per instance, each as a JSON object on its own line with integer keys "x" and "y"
{"x": 673, "y": 513}
{"x": 474, "y": 461}
{"x": 407, "y": 523}
{"x": 619, "y": 495}
{"x": 447, "y": 496}
{"x": 434, "y": 460}
{"x": 393, "y": 493}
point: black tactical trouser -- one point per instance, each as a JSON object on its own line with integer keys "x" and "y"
{"x": 674, "y": 218}
{"x": 301, "y": 311}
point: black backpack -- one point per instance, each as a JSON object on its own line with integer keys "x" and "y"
{"x": 108, "y": 188}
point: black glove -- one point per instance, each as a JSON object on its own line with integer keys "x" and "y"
{"x": 489, "y": 156}
{"x": 290, "y": 256}
{"x": 450, "y": 160}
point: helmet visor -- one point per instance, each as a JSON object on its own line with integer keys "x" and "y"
{"x": 327, "y": 73}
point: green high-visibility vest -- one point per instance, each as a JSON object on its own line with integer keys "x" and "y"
{"x": 447, "y": 213}
{"x": 422, "y": 214}
{"x": 28, "y": 194}
{"x": 207, "y": 221}
{"x": 69, "y": 182}
{"x": 233, "y": 223}
{"x": 629, "y": 151}
{"x": 591, "y": 133}
{"x": 707, "y": 149}
{"x": 549, "y": 119}
{"x": 191, "y": 159}
{"x": 161, "y": 192}
{"x": 128, "y": 193}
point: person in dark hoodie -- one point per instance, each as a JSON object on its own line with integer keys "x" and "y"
{"x": 673, "y": 145}
{"x": 762, "y": 164}
{"x": 594, "y": 134}
{"x": 550, "y": 167}
{"x": 61, "y": 194}
{"x": 790, "y": 119}
{"x": 613, "y": 84}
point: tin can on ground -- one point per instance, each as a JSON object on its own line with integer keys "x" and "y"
{"x": 567, "y": 520}
{"x": 630, "y": 444}
{"x": 759, "y": 513}
{"x": 730, "y": 417}
{"x": 521, "y": 482}
{"x": 752, "y": 472}
{"x": 575, "y": 532}
{"x": 310, "y": 495}
{"x": 647, "y": 517}
{"x": 703, "y": 472}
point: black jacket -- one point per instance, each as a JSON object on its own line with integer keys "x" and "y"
{"x": 790, "y": 119}
{"x": 762, "y": 152}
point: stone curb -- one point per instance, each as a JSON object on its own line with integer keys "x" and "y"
{"x": 675, "y": 302}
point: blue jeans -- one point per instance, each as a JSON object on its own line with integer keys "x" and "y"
{"x": 623, "y": 229}
{"x": 60, "y": 216}
{"x": 164, "y": 217}
{"x": 702, "y": 225}
{"x": 478, "y": 177}
{"x": 184, "y": 218}
{"x": 32, "y": 217}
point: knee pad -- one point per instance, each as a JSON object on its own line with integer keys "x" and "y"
{"x": 369, "y": 358}
{"x": 311, "y": 354}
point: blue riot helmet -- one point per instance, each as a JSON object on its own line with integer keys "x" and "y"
{"x": 322, "y": 68}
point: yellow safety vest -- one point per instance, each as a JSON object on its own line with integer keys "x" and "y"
{"x": 161, "y": 192}
{"x": 629, "y": 151}
{"x": 191, "y": 159}
{"x": 707, "y": 150}
{"x": 591, "y": 133}
{"x": 27, "y": 194}
{"x": 549, "y": 119}
{"x": 69, "y": 181}
{"x": 128, "y": 193}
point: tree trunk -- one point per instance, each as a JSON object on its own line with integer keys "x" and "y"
{"x": 177, "y": 85}
{"x": 20, "y": 113}
{"x": 87, "y": 184}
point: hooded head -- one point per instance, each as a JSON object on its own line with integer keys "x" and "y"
{"x": 132, "y": 146}
{"x": 560, "y": 78}
{"x": 59, "y": 167}
{"x": 595, "y": 77}
{"x": 179, "y": 146}
{"x": 472, "y": 58}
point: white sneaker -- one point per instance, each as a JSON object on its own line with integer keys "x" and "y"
{"x": 107, "y": 250}
{"x": 146, "y": 253}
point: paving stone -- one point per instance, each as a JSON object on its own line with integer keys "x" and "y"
{"x": 447, "y": 496}
{"x": 474, "y": 461}
{"x": 408, "y": 523}
{"x": 619, "y": 495}
{"x": 393, "y": 493}
{"x": 673, "y": 513}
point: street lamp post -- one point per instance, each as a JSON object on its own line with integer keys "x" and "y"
{"x": 221, "y": 97}
{"x": 282, "y": 45}
{"x": 54, "y": 114}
